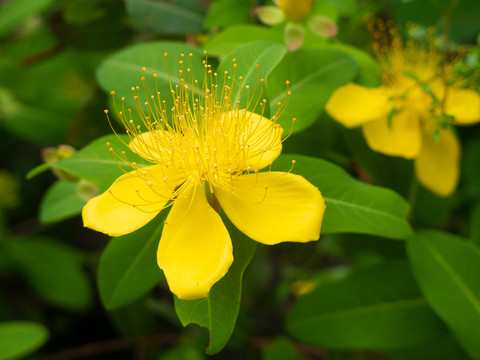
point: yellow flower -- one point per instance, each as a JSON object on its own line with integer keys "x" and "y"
{"x": 412, "y": 113}
{"x": 205, "y": 158}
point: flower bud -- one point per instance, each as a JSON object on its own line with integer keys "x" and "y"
{"x": 296, "y": 10}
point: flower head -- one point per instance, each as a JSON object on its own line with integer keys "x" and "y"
{"x": 296, "y": 13}
{"x": 412, "y": 114}
{"x": 206, "y": 152}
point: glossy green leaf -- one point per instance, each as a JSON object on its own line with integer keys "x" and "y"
{"x": 378, "y": 307}
{"x": 238, "y": 35}
{"x": 352, "y": 206}
{"x": 13, "y": 12}
{"x": 218, "y": 312}
{"x": 265, "y": 54}
{"x": 128, "y": 267}
{"x": 314, "y": 75}
{"x": 166, "y": 16}
{"x": 123, "y": 69}
{"x": 20, "y": 338}
{"x": 96, "y": 163}
{"x": 60, "y": 202}
{"x": 54, "y": 270}
{"x": 447, "y": 269}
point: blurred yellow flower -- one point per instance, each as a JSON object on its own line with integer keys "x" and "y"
{"x": 205, "y": 158}
{"x": 412, "y": 113}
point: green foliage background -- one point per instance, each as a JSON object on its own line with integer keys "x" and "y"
{"x": 395, "y": 274}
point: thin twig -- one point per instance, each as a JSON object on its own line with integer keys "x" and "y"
{"x": 110, "y": 346}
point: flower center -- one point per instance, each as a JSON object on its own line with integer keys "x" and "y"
{"x": 207, "y": 137}
{"x": 417, "y": 74}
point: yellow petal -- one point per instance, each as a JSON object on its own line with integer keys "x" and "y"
{"x": 437, "y": 166}
{"x": 258, "y": 140}
{"x": 289, "y": 209}
{"x": 401, "y": 138}
{"x": 463, "y": 105}
{"x": 354, "y": 105}
{"x": 195, "y": 250}
{"x": 122, "y": 209}
{"x": 154, "y": 145}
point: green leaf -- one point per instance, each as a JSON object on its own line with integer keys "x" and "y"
{"x": 40, "y": 105}
{"x": 238, "y": 35}
{"x": 83, "y": 20}
{"x": 393, "y": 172}
{"x": 265, "y": 54}
{"x": 134, "y": 319}
{"x": 447, "y": 269}
{"x": 128, "y": 267}
{"x": 428, "y": 209}
{"x": 443, "y": 348}
{"x": 314, "y": 75}
{"x": 281, "y": 349}
{"x": 20, "y": 338}
{"x": 123, "y": 69}
{"x": 462, "y": 16}
{"x": 13, "y": 12}
{"x": 98, "y": 165}
{"x": 369, "y": 73}
{"x": 166, "y": 16}
{"x": 227, "y": 12}
{"x": 379, "y": 307}
{"x": 37, "y": 170}
{"x": 347, "y": 7}
{"x": 352, "y": 206}
{"x": 218, "y": 312}
{"x": 53, "y": 270}
{"x": 188, "y": 348}
{"x": 60, "y": 202}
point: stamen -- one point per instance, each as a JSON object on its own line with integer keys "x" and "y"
{"x": 206, "y": 136}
